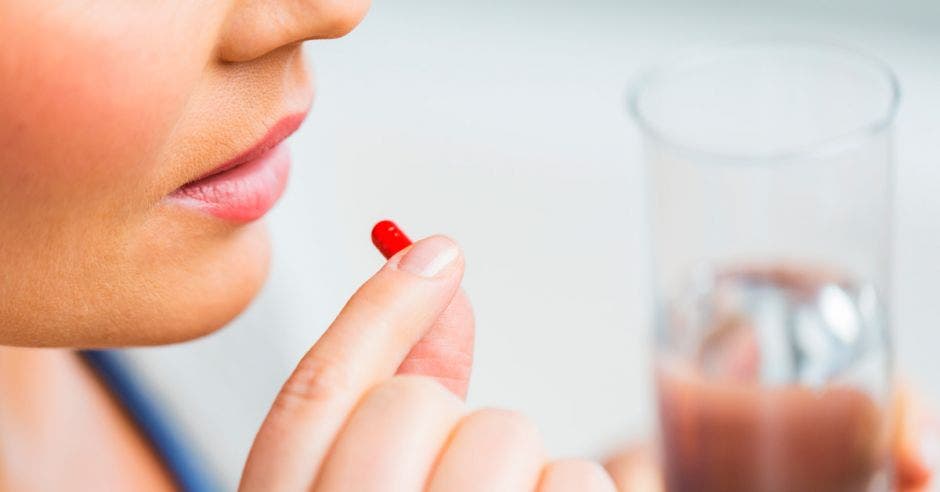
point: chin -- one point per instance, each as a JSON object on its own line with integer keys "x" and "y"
{"x": 179, "y": 277}
{"x": 203, "y": 286}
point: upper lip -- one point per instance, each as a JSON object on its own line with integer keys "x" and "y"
{"x": 275, "y": 135}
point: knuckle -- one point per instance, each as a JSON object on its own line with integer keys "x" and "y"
{"x": 314, "y": 381}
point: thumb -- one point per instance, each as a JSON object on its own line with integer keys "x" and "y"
{"x": 445, "y": 353}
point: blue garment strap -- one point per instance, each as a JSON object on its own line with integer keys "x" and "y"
{"x": 145, "y": 413}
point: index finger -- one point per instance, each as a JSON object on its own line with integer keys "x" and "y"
{"x": 364, "y": 345}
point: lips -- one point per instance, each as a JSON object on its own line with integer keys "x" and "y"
{"x": 246, "y": 187}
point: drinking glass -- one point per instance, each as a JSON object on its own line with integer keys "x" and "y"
{"x": 770, "y": 170}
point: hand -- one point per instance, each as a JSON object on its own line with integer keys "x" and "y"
{"x": 635, "y": 469}
{"x": 345, "y": 421}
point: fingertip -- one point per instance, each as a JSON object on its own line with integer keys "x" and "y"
{"x": 918, "y": 443}
{"x": 575, "y": 474}
{"x": 434, "y": 256}
{"x": 635, "y": 469}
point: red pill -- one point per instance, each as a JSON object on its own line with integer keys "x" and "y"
{"x": 388, "y": 238}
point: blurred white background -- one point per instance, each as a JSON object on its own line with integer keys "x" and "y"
{"x": 503, "y": 124}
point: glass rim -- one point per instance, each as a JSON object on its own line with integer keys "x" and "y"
{"x": 826, "y": 146}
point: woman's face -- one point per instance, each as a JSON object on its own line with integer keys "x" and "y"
{"x": 112, "y": 114}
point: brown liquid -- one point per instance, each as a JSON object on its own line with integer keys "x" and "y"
{"x": 725, "y": 437}
{"x": 727, "y": 424}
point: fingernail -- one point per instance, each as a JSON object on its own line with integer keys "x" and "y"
{"x": 429, "y": 257}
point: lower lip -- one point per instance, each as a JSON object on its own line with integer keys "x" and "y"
{"x": 243, "y": 193}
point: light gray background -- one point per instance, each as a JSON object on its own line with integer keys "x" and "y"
{"x": 502, "y": 124}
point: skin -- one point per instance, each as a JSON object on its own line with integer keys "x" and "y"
{"x": 107, "y": 108}
{"x": 636, "y": 468}
{"x": 110, "y": 106}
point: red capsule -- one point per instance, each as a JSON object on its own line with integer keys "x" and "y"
{"x": 388, "y": 238}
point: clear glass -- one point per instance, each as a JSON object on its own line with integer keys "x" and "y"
{"x": 771, "y": 174}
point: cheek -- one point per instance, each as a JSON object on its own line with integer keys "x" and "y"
{"x": 90, "y": 95}
{"x": 89, "y": 99}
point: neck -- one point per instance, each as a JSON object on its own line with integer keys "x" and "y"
{"x": 56, "y": 417}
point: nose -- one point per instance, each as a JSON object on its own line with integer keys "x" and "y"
{"x": 256, "y": 27}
